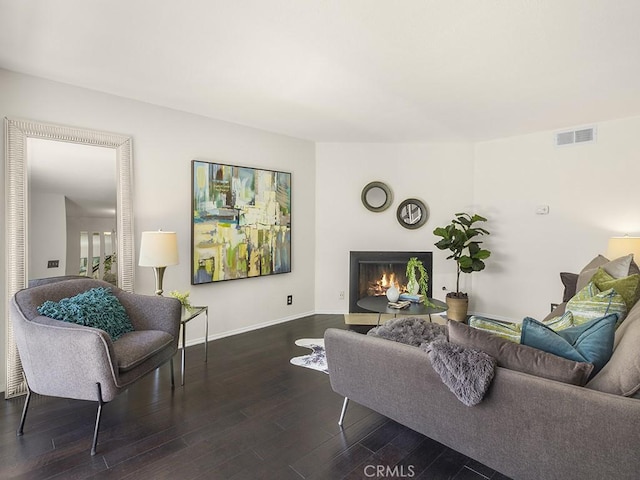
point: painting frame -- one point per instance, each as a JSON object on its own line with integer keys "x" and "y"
{"x": 240, "y": 222}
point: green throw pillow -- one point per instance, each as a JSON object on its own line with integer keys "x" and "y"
{"x": 561, "y": 322}
{"x": 590, "y": 342}
{"x": 511, "y": 330}
{"x": 506, "y": 330}
{"x": 98, "y": 308}
{"x": 625, "y": 286}
{"x": 590, "y": 303}
{"x": 617, "y": 268}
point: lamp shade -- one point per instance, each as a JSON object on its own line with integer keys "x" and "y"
{"x": 158, "y": 249}
{"x": 621, "y": 246}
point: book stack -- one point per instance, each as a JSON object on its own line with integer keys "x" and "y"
{"x": 399, "y": 304}
{"x": 411, "y": 298}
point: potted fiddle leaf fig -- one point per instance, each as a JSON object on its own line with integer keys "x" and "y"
{"x": 461, "y": 238}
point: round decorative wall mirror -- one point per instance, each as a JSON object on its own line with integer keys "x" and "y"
{"x": 376, "y": 196}
{"x": 412, "y": 213}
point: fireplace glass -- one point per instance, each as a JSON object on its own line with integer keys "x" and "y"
{"x": 372, "y": 273}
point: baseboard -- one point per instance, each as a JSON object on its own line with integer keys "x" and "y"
{"x": 238, "y": 331}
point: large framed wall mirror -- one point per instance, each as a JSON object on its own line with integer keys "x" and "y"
{"x": 68, "y": 212}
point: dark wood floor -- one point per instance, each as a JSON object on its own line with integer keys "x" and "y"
{"x": 246, "y": 414}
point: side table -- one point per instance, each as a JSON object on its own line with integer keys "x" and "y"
{"x": 189, "y": 314}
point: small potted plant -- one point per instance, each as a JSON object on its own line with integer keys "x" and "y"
{"x": 460, "y": 237}
{"x": 183, "y": 297}
{"x": 417, "y": 279}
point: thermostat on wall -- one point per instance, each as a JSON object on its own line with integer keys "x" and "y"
{"x": 542, "y": 210}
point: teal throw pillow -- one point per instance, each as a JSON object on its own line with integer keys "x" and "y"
{"x": 590, "y": 342}
{"x": 98, "y": 308}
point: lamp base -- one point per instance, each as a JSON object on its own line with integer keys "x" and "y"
{"x": 159, "y": 274}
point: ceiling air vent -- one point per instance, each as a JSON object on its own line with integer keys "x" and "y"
{"x": 572, "y": 137}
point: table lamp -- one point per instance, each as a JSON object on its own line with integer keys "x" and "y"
{"x": 621, "y": 246}
{"x": 158, "y": 250}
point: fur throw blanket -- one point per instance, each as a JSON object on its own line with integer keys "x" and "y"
{"x": 412, "y": 331}
{"x": 467, "y": 372}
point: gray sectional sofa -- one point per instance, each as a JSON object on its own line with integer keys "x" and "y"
{"x": 526, "y": 427}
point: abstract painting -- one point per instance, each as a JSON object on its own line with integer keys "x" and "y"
{"x": 241, "y": 224}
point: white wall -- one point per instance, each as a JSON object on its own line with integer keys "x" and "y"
{"x": 592, "y": 193}
{"x": 164, "y": 143}
{"x": 48, "y": 237}
{"x": 439, "y": 174}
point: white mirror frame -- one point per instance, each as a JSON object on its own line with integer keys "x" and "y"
{"x": 16, "y": 133}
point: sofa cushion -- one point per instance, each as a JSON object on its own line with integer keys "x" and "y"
{"x": 627, "y": 287}
{"x": 590, "y": 303}
{"x": 589, "y": 342}
{"x": 97, "y": 307}
{"x": 133, "y": 348}
{"x": 621, "y": 375}
{"x": 616, "y": 268}
{"x": 521, "y": 358}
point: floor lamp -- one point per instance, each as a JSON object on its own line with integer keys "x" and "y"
{"x": 158, "y": 250}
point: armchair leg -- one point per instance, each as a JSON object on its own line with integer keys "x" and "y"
{"x": 24, "y": 411}
{"x": 95, "y": 432}
{"x": 173, "y": 383}
{"x": 344, "y": 410}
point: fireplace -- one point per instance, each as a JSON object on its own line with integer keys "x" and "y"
{"x": 371, "y": 273}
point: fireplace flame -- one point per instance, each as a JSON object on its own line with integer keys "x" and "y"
{"x": 380, "y": 286}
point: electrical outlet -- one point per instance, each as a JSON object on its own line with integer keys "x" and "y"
{"x": 341, "y": 295}
{"x": 289, "y": 299}
{"x": 53, "y": 263}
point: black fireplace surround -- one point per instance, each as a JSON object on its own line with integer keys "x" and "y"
{"x": 368, "y": 268}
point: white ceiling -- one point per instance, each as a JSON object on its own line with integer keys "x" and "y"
{"x": 345, "y": 70}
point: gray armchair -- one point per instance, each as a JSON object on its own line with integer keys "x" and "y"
{"x": 67, "y": 360}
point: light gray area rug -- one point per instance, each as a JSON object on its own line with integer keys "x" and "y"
{"x": 316, "y": 360}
